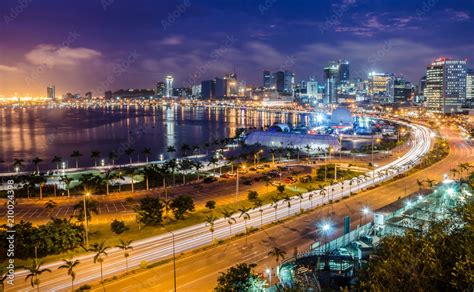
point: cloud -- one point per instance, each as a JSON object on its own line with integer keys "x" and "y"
{"x": 172, "y": 41}
{"x": 51, "y": 55}
{"x": 457, "y": 15}
{"x": 370, "y": 24}
{"x": 6, "y": 68}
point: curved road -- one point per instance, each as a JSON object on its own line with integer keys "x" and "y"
{"x": 160, "y": 247}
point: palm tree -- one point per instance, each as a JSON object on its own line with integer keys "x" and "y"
{"x": 322, "y": 192}
{"x": 185, "y": 148}
{"x": 278, "y": 253}
{"x": 454, "y": 171}
{"x": 76, "y": 154}
{"x": 167, "y": 207}
{"x": 91, "y": 207}
{"x": 272, "y": 153}
{"x": 125, "y": 246}
{"x": 258, "y": 204}
{"x": 227, "y": 214}
{"x": 244, "y": 212}
{"x": 70, "y": 265}
{"x": 129, "y": 151}
{"x": 36, "y": 161}
{"x": 280, "y": 189}
{"x": 353, "y": 180}
{"x": 213, "y": 161}
{"x": 430, "y": 182}
{"x": 172, "y": 165}
{"x": 95, "y": 155}
{"x": 146, "y": 151}
{"x": 301, "y": 197}
{"x": 310, "y": 198}
{"x": 34, "y": 272}
{"x": 420, "y": 184}
{"x": 170, "y": 149}
{"x": 57, "y": 160}
{"x": 197, "y": 165}
{"x": 287, "y": 199}
{"x": 131, "y": 172}
{"x": 210, "y": 222}
{"x": 67, "y": 182}
{"x": 101, "y": 251}
{"x": 184, "y": 166}
{"x": 18, "y": 163}
{"x": 108, "y": 176}
{"x": 113, "y": 156}
{"x": 274, "y": 204}
{"x": 50, "y": 206}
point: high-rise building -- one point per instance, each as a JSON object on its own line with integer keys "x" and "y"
{"x": 208, "y": 89}
{"x": 279, "y": 81}
{"x": 196, "y": 90}
{"x": 379, "y": 87}
{"x": 267, "y": 80}
{"x": 331, "y": 76}
{"x": 88, "y": 95}
{"x": 220, "y": 88}
{"x": 232, "y": 86}
{"x": 312, "y": 88}
{"x": 400, "y": 90}
{"x": 446, "y": 85}
{"x": 51, "y": 92}
{"x": 470, "y": 85}
{"x": 169, "y": 86}
{"x": 343, "y": 66}
{"x": 289, "y": 82}
{"x": 160, "y": 90}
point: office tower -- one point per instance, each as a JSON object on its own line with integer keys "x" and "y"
{"x": 208, "y": 89}
{"x": 220, "y": 88}
{"x": 88, "y": 95}
{"x": 400, "y": 90}
{"x": 169, "y": 86}
{"x": 196, "y": 90}
{"x": 160, "y": 90}
{"x": 470, "y": 85}
{"x": 312, "y": 88}
{"x": 422, "y": 85}
{"x": 232, "y": 86}
{"x": 51, "y": 92}
{"x": 279, "y": 81}
{"x": 445, "y": 85}
{"x": 267, "y": 79}
{"x": 343, "y": 68}
{"x": 379, "y": 87}
{"x": 289, "y": 82}
{"x": 331, "y": 76}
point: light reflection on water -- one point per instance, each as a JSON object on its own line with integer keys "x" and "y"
{"x": 47, "y": 132}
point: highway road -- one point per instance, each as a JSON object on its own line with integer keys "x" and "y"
{"x": 160, "y": 247}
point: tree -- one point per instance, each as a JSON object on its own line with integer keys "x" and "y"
{"x": 100, "y": 250}
{"x": 67, "y": 183}
{"x": 288, "y": 199}
{"x": 274, "y": 204}
{"x": 252, "y": 196}
{"x": 240, "y": 278}
{"x": 210, "y": 222}
{"x": 170, "y": 149}
{"x": 211, "y": 205}
{"x": 108, "y": 176}
{"x": 301, "y": 197}
{"x": 57, "y": 160}
{"x": 244, "y": 212}
{"x": 118, "y": 226}
{"x": 76, "y": 155}
{"x": 267, "y": 180}
{"x": 125, "y": 246}
{"x": 146, "y": 151}
{"x": 277, "y": 253}
{"x": 36, "y": 161}
{"x": 129, "y": 151}
{"x": 150, "y": 211}
{"x": 420, "y": 184}
{"x": 113, "y": 156}
{"x": 227, "y": 214}
{"x": 184, "y": 149}
{"x": 95, "y": 155}
{"x": 35, "y": 271}
{"x": 198, "y": 165}
{"x": 92, "y": 206}
{"x": 50, "y": 206}
{"x": 69, "y": 265}
{"x": 258, "y": 204}
{"x": 181, "y": 205}
{"x": 280, "y": 189}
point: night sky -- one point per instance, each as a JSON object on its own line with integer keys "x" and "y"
{"x": 111, "y": 44}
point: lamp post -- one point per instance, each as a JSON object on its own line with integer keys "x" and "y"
{"x": 373, "y": 166}
{"x": 237, "y": 183}
{"x": 85, "y": 220}
{"x": 365, "y": 212}
{"x": 269, "y": 273}
{"x": 174, "y": 260}
{"x": 326, "y": 227}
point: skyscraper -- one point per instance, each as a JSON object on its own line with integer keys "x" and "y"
{"x": 470, "y": 85}
{"x": 331, "y": 76}
{"x": 343, "y": 68}
{"x": 289, "y": 82}
{"x": 446, "y": 85}
{"x": 380, "y": 87}
{"x": 279, "y": 81}
{"x": 220, "y": 87}
{"x": 267, "y": 79}
{"x": 232, "y": 86}
{"x": 160, "y": 90}
{"x": 312, "y": 88}
{"x": 208, "y": 89}
{"x": 169, "y": 86}
{"x": 51, "y": 92}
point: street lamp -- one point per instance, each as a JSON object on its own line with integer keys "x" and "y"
{"x": 174, "y": 260}
{"x": 237, "y": 183}
{"x": 85, "y": 220}
{"x": 269, "y": 273}
{"x": 365, "y": 212}
{"x": 373, "y": 166}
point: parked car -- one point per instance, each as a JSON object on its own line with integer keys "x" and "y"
{"x": 209, "y": 179}
{"x": 247, "y": 182}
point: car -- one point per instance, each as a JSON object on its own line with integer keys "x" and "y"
{"x": 225, "y": 175}
{"x": 247, "y": 182}
{"x": 260, "y": 167}
{"x": 252, "y": 169}
{"x": 266, "y": 165}
{"x": 341, "y": 252}
{"x": 209, "y": 179}
{"x": 257, "y": 179}
{"x": 366, "y": 239}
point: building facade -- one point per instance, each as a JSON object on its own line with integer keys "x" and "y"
{"x": 169, "y": 86}
{"x": 51, "y": 92}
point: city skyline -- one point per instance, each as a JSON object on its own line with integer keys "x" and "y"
{"x": 96, "y": 49}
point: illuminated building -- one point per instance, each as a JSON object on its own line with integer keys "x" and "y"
{"x": 169, "y": 86}
{"x": 445, "y": 85}
{"x": 51, "y": 92}
{"x": 208, "y": 89}
{"x": 331, "y": 75}
{"x": 470, "y": 85}
{"x": 160, "y": 90}
{"x": 267, "y": 80}
{"x": 379, "y": 87}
